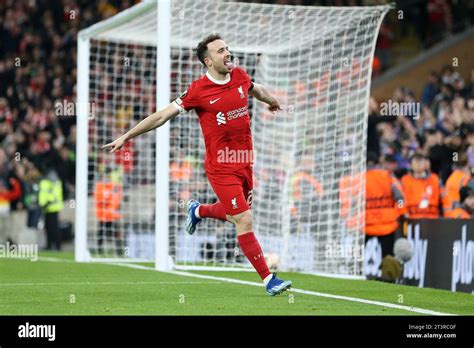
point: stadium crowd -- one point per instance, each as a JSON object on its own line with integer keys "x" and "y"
{"x": 420, "y": 161}
{"x": 442, "y": 130}
{"x": 38, "y": 73}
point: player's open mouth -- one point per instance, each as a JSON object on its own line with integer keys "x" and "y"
{"x": 229, "y": 64}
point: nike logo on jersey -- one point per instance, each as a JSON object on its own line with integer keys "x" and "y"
{"x": 213, "y": 101}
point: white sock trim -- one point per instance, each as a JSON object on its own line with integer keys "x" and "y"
{"x": 267, "y": 279}
{"x": 196, "y": 212}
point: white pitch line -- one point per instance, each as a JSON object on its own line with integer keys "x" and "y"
{"x": 54, "y": 259}
{"x": 105, "y": 283}
{"x": 301, "y": 291}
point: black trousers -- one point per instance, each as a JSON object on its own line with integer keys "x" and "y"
{"x": 51, "y": 225}
{"x": 386, "y": 242}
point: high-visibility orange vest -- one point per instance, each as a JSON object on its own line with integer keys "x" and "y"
{"x": 181, "y": 171}
{"x": 350, "y": 187}
{"x": 108, "y": 196}
{"x": 422, "y": 195}
{"x": 381, "y": 213}
{"x": 458, "y": 213}
{"x": 455, "y": 182}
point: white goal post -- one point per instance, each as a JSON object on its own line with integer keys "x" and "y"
{"x": 308, "y": 195}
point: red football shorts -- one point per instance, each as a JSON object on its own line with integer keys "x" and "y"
{"x": 234, "y": 190}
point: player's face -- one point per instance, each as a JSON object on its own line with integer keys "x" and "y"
{"x": 217, "y": 56}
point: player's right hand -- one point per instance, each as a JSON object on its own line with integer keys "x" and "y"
{"x": 115, "y": 145}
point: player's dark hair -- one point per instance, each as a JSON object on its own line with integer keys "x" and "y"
{"x": 202, "y": 46}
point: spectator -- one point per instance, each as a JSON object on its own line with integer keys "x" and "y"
{"x": 373, "y": 143}
{"x": 31, "y": 178}
{"x": 469, "y": 144}
{"x": 449, "y": 75}
{"x": 7, "y": 194}
{"x": 439, "y": 14}
{"x": 430, "y": 89}
{"x": 460, "y": 177}
{"x": 437, "y": 153}
{"x": 422, "y": 189}
{"x": 389, "y": 163}
{"x": 384, "y": 42}
{"x": 466, "y": 209}
{"x": 50, "y": 198}
{"x": 66, "y": 167}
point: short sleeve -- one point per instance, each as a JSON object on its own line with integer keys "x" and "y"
{"x": 249, "y": 83}
{"x": 188, "y": 100}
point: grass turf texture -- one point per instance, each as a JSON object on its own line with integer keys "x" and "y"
{"x": 48, "y": 288}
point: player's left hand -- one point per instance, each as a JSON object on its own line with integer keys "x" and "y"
{"x": 274, "y": 105}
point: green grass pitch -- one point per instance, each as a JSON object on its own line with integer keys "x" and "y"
{"x": 70, "y": 288}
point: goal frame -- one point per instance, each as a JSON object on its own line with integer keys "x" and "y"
{"x": 163, "y": 260}
{"x": 161, "y": 135}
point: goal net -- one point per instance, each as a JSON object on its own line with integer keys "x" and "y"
{"x": 308, "y": 195}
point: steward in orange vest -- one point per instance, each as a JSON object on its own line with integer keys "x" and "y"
{"x": 108, "y": 197}
{"x": 383, "y": 197}
{"x": 422, "y": 190}
{"x": 466, "y": 209}
{"x": 350, "y": 188}
{"x": 459, "y": 178}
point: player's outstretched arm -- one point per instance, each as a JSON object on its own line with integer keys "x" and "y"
{"x": 261, "y": 93}
{"x": 152, "y": 121}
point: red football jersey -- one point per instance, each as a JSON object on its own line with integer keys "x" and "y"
{"x": 222, "y": 107}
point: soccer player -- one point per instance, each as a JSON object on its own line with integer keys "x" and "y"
{"x": 220, "y": 98}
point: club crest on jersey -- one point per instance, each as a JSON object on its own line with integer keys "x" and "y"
{"x": 241, "y": 91}
{"x": 220, "y": 118}
{"x": 234, "y": 203}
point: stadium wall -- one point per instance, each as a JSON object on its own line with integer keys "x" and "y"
{"x": 443, "y": 254}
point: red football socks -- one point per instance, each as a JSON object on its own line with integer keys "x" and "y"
{"x": 215, "y": 211}
{"x": 252, "y": 250}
